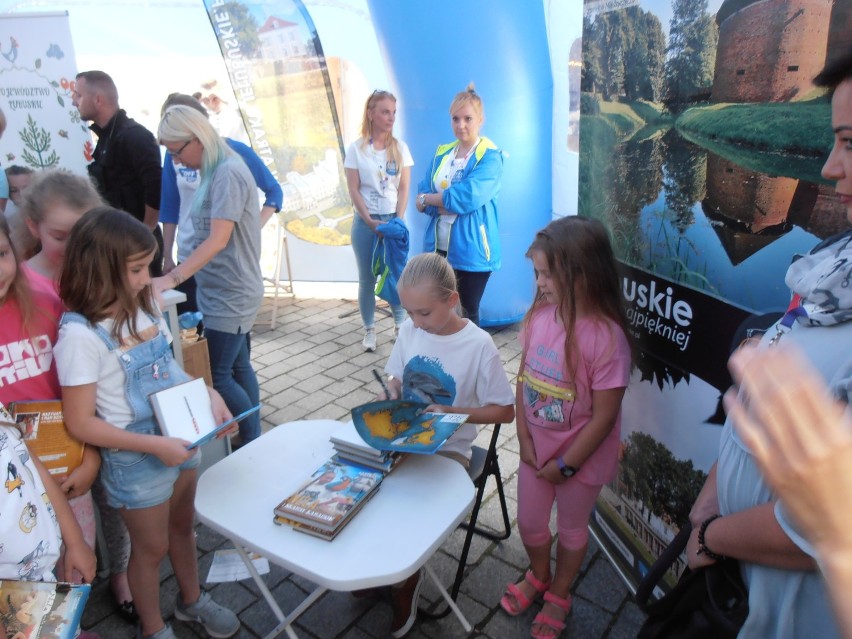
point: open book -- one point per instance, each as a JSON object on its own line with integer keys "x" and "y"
{"x": 184, "y": 411}
{"x": 404, "y": 426}
{"x": 41, "y": 610}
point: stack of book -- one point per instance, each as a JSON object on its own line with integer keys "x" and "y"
{"x": 379, "y": 437}
{"x": 324, "y": 504}
{"x": 352, "y": 448}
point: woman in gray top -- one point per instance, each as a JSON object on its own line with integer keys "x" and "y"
{"x": 225, "y": 258}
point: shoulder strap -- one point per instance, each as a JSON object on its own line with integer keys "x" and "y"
{"x": 69, "y": 317}
{"x": 663, "y": 563}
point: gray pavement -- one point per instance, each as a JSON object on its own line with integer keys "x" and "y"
{"x": 312, "y": 366}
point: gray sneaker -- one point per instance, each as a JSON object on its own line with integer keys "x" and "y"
{"x": 217, "y": 620}
{"x": 165, "y": 633}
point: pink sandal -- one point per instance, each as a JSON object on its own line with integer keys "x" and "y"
{"x": 514, "y": 602}
{"x": 549, "y": 622}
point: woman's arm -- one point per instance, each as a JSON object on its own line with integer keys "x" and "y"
{"x": 78, "y": 403}
{"x": 220, "y": 234}
{"x": 402, "y": 192}
{"x": 353, "y": 183}
{"x": 605, "y": 406}
{"x": 752, "y": 535}
{"x": 78, "y": 555}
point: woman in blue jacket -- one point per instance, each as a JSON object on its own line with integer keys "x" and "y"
{"x": 459, "y": 194}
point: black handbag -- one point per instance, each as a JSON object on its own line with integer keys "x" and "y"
{"x": 708, "y": 603}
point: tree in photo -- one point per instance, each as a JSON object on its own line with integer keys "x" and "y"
{"x": 693, "y": 36}
{"x": 245, "y": 26}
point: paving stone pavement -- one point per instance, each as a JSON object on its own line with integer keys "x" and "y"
{"x": 312, "y": 366}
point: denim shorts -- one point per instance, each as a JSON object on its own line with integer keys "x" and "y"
{"x": 139, "y": 480}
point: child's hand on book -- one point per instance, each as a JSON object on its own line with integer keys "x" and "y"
{"x": 172, "y": 451}
{"x": 80, "y": 480}
{"x": 82, "y": 558}
{"x": 435, "y": 408}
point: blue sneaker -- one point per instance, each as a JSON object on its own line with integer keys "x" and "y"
{"x": 217, "y": 620}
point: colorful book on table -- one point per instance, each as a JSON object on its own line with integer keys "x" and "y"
{"x": 43, "y": 427}
{"x": 333, "y": 491}
{"x": 405, "y": 426}
{"x": 315, "y": 531}
{"x": 42, "y": 610}
{"x": 184, "y": 411}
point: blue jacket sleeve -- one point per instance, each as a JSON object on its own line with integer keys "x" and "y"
{"x": 263, "y": 177}
{"x": 169, "y": 196}
{"x": 478, "y": 187}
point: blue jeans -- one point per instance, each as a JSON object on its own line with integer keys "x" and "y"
{"x": 362, "y": 245}
{"x": 234, "y": 378}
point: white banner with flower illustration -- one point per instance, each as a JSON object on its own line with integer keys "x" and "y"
{"x": 37, "y": 70}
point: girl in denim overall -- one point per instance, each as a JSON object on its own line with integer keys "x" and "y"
{"x": 112, "y": 353}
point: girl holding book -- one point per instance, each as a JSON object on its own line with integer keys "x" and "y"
{"x": 451, "y": 364}
{"x": 574, "y": 371}
{"x": 113, "y": 352}
{"x": 50, "y": 207}
{"x": 28, "y": 323}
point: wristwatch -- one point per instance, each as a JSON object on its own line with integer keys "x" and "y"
{"x": 566, "y": 470}
{"x": 421, "y": 199}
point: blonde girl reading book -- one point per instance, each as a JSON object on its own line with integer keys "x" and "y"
{"x": 113, "y": 352}
{"x": 28, "y": 327}
{"x": 574, "y": 371}
{"x": 451, "y": 364}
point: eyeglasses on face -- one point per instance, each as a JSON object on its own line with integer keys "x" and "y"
{"x": 181, "y": 149}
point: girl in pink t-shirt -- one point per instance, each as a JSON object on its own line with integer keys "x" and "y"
{"x": 51, "y": 205}
{"x": 574, "y": 371}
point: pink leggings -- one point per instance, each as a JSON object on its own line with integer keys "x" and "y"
{"x": 574, "y": 503}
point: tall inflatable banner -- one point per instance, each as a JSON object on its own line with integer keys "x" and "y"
{"x": 283, "y": 88}
{"x": 37, "y": 70}
{"x": 501, "y": 46}
{"x": 701, "y": 144}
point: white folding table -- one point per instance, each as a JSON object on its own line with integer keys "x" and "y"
{"x": 416, "y": 508}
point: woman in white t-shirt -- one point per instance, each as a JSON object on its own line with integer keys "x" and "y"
{"x": 378, "y": 173}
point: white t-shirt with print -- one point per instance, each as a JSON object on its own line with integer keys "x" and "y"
{"x": 462, "y": 369}
{"x": 379, "y": 182}
{"x": 28, "y": 528}
{"x": 83, "y": 358}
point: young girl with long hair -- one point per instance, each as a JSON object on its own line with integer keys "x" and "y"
{"x": 451, "y": 364}
{"x": 113, "y": 352}
{"x": 574, "y": 371}
{"x": 53, "y": 203}
{"x": 28, "y": 323}
{"x": 225, "y": 258}
{"x": 378, "y": 174}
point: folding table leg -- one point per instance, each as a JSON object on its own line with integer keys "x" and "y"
{"x": 284, "y": 620}
{"x": 464, "y": 622}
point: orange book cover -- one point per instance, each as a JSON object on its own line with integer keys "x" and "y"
{"x": 43, "y": 426}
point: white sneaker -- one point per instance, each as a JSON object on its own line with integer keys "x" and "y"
{"x": 369, "y": 341}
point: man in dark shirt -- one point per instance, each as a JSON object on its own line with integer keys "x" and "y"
{"x": 126, "y": 167}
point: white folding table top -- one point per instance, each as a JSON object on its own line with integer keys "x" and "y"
{"x": 416, "y": 508}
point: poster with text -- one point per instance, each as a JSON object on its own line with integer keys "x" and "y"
{"x": 701, "y": 144}
{"x": 37, "y": 70}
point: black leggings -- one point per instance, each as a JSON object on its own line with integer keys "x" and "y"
{"x": 471, "y": 286}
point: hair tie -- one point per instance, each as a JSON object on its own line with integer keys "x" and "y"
{"x": 472, "y": 91}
